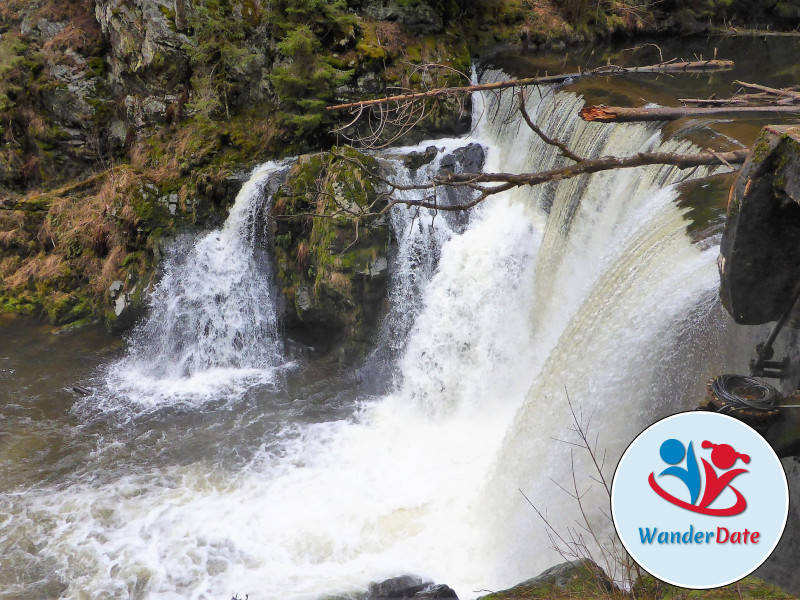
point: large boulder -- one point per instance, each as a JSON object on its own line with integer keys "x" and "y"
{"x": 331, "y": 255}
{"x": 578, "y": 579}
{"x": 760, "y": 252}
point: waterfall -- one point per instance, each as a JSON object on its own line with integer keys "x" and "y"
{"x": 212, "y": 326}
{"x": 589, "y": 286}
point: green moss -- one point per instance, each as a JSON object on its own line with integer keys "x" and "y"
{"x": 649, "y": 588}
{"x": 371, "y": 52}
{"x": 68, "y": 308}
{"x": 23, "y": 304}
{"x": 97, "y": 67}
{"x": 169, "y": 15}
{"x": 75, "y": 325}
{"x": 414, "y": 54}
{"x": 322, "y": 264}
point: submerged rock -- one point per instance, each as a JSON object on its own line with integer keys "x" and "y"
{"x": 397, "y": 588}
{"x": 414, "y": 160}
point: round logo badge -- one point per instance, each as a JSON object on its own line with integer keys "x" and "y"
{"x": 699, "y": 500}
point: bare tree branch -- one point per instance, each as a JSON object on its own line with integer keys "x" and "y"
{"x": 664, "y": 67}
{"x": 538, "y": 131}
{"x": 622, "y": 114}
{"x": 778, "y": 93}
{"x": 482, "y": 183}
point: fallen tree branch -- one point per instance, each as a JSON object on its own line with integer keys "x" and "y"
{"x": 763, "y": 96}
{"x": 740, "y": 100}
{"x": 665, "y": 67}
{"x": 777, "y": 92}
{"x": 619, "y": 114}
{"x": 563, "y": 148}
{"x": 594, "y": 165}
{"x": 733, "y": 32}
{"x": 507, "y": 181}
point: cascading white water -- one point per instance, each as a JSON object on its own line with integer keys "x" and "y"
{"x": 590, "y": 285}
{"x": 212, "y": 326}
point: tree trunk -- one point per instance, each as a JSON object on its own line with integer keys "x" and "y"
{"x": 619, "y": 114}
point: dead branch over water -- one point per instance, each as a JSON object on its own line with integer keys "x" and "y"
{"x": 672, "y": 66}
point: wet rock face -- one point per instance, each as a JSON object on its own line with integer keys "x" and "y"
{"x": 332, "y": 249}
{"x": 419, "y": 17}
{"x": 397, "y": 588}
{"x": 760, "y": 252}
{"x": 469, "y": 159}
{"x": 332, "y": 269}
{"x": 414, "y": 160}
{"x": 144, "y": 41}
{"x": 408, "y": 587}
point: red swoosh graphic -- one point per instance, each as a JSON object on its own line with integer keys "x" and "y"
{"x": 737, "y": 508}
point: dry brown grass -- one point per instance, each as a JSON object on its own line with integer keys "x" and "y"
{"x": 303, "y": 256}
{"x": 339, "y": 282}
{"x": 544, "y": 16}
{"x": 109, "y": 270}
{"x": 14, "y": 238}
{"x": 83, "y": 238}
{"x": 41, "y": 267}
{"x": 79, "y": 14}
{"x": 12, "y": 10}
{"x": 9, "y": 265}
{"x": 71, "y": 38}
{"x": 37, "y": 127}
{"x": 392, "y": 37}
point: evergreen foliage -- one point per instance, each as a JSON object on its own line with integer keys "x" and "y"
{"x": 218, "y": 56}
{"x": 306, "y": 29}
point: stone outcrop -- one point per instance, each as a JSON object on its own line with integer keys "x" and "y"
{"x": 331, "y": 259}
{"x": 584, "y": 580}
{"x": 579, "y": 579}
{"x": 407, "y": 587}
{"x": 146, "y": 46}
{"x": 760, "y": 251}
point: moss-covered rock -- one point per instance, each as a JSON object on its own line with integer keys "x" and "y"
{"x": 331, "y": 250}
{"x": 574, "y": 580}
{"x": 584, "y": 580}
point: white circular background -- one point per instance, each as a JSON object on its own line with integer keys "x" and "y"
{"x": 635, "y": 505}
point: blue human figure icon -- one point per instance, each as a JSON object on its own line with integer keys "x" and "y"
{"x": 672, "y": 453}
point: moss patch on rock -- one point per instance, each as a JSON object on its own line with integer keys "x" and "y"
{"x": 584, "y": 580}
{"x": 330, "y": 255}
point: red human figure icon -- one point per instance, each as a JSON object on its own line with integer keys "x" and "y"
{"x": 724, "y": 457}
